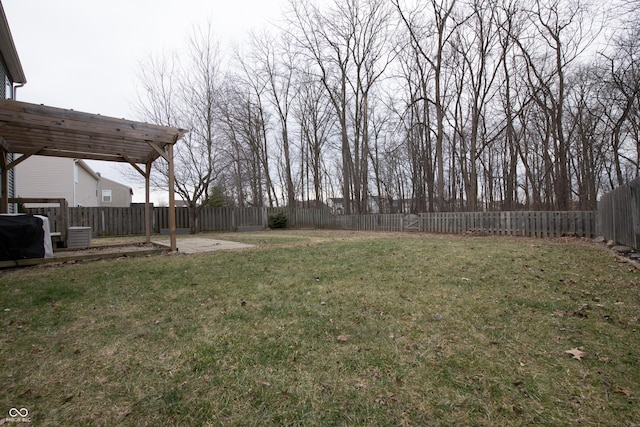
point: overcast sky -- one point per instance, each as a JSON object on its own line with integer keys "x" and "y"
{"x": 85, "y": 54}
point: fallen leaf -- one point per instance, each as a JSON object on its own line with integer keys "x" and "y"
{"x": 582, "y": 311}
{"x": 343, "y": 338}
{"x": 623, "y": 391}
{"x": 577, "y": 354}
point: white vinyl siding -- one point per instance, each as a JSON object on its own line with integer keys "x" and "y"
{"x": 55, "y": 178}
{"x": 45, "y": 177}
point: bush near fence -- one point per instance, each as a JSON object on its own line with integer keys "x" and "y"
{"x": 130, "y": 221}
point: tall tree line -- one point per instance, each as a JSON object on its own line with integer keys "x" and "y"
{"x": 411, "y": 106}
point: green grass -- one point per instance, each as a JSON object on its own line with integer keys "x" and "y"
{"x": 328, "y": 328}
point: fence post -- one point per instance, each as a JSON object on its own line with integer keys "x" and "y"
{"x": 635, "y": 208}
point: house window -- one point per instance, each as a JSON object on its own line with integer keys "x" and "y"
{"x": 106, "y": 196}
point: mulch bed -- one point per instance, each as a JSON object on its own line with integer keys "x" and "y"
{"x": 92, "y": 253}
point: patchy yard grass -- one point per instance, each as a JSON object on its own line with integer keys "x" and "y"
{"x": 328, "y": 328}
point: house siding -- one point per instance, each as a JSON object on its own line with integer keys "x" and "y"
{"x": 120, "y": 194}
{"x": 45, "y": 177}
{"x": 5, "y": 79}
{"x": 86, "y": 188}
{"x": 5, "y": 83}
{"x": 54, "y": 177}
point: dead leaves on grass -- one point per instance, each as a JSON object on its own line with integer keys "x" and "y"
{"x": 576, "y": 353}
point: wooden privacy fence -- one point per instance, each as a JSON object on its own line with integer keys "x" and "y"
{"x": 619, "y": 214}
{"x": 531, "y": 224}
{"x": 231, "y": 219}
{"x": 130, "y": 221}
{"x": 374, "y": 222}
{"x": 105, "y": 221}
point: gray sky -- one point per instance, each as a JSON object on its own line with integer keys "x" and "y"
{"x": 85, "y": 54}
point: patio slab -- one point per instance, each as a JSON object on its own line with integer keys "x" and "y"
{"x": 193, "y": 245}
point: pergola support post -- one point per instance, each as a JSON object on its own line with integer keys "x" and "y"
{"x": 4, "y": 201}
{"x": 147, "y": 199}
{"x": 172, "y": 201}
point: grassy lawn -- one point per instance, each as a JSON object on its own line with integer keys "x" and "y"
{"x": 328, "y": 328}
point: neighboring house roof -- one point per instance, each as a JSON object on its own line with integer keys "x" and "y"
{"x": 108, "y": 181}
{"x": 9, "y": 52}
{"x": 87, "y": 168}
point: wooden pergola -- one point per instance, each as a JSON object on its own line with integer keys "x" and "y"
{"x": 31, "y": 129}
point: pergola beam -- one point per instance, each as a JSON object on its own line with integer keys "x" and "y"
{"x": 158, "y": 150}
{"x": 22, "y": 158}
{"x": 135, "y": 166}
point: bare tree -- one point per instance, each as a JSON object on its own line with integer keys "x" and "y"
{"x": 587, "y": 131}
{"x": 433, "y": 25}
{"x": 620, "y": 98}
{"x": 252, "y": 88}
{"x": 347, "y": 46}
{"x": 473, "y": 104}
{"x": 244, "y": 120}
{"x": 476, "y": 44}
{"x": 314, "y": 115}
{"x": 560, "y": 33}
{"x": 275, "y": 62}
{"x": 410, "y": 101}
{"x": 182, "y": 91}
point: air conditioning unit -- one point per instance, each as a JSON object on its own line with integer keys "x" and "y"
{"x": 79, "y": 237}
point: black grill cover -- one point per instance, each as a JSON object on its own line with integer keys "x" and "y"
{"x": 21, "y": 237}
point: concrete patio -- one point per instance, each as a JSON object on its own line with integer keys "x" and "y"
{"x": 192, "y": 245}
